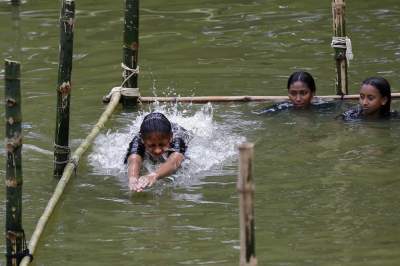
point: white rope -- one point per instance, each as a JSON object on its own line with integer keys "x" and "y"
{"x": 344, "y": 43}
{"x": 126, "y": 69}
{"x": 113, "y": 90}
{"x": 126, "y": 77}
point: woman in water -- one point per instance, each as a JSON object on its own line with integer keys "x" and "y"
{"x": 158, "y": 141}
{"x": 374, "y": 101}
{"x": 301, "y": 90}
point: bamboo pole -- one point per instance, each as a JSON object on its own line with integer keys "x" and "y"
{"x": 15, "y": 239}
{"x": 15, "y": 2}
{"x": 245, "y": 187}
{"x": 61, "y": 149}
{"x": 130, "y": 50}
{"x": 68, "y": 171}
{"x": 205, "y": 99}
{"x": 339, "y": 30}
{"x": 16, "y": 27}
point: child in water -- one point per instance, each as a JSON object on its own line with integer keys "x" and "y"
{"x": 159, "y": 141}
{"x": 374, "y": 101}
{"x": 301, "y": 90}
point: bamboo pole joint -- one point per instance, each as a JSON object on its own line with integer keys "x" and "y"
{"x": 13, "y": 236}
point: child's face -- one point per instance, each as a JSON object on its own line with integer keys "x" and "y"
{"x": 300, "y": 95}
{"x": 371, "y": 100}
{"x": 157, "y": 143}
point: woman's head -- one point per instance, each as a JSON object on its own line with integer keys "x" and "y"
{"x": 156, "y": 133}
{"x": 301, "y": 88}
{"x": 375, "y": 97}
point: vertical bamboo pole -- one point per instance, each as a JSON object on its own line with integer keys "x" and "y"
{"x": 339, "y": 30}
{"x": 245, "y": 187}
{"x": 15, "y": 2}
{"x": 15, "y": 16}
{"x": 130, "y": 51}
{"x": 61, "y": 149}
{"x": 14, "y": 232}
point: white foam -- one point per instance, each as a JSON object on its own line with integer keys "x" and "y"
{"x": 213, "y": 145}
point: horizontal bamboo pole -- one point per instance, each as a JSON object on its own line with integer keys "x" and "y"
{"x": 205, "y": 99}
{"x": 68, "y": 171}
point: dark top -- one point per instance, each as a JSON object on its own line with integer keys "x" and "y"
{"x": 180, "y": 139}
{"x": 317, "y": 103}
{"x": 356, "y": 113}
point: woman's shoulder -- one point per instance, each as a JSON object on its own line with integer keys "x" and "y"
{"x": 277, "y": 107}
{"x": 180, "y": 132}
{"x": 394, "y": 114}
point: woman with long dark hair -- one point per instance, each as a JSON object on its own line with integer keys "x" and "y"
{"x": 374, "y": 101}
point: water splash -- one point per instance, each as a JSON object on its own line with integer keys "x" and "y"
{"x": 210, "y": 153}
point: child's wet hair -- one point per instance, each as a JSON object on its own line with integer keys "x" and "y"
{"x": 155, "y": 123}
{"x": 304, "y": 77}
{"x": 383, "y": 86}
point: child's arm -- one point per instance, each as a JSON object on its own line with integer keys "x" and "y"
{"x": 170, "y": 166}
{"x": 134, "y": 166}
{"x": 173, "y": 162}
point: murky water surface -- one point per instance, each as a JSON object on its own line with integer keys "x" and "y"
{"x": 326, "y": 191}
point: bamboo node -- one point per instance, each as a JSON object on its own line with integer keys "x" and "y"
{"x": 13, "y": 236}
{"x": 134, "y": 46}
{"x": 59, "y": 149}
{"x": 75, "y": 162}
{"x": 246, "y": 190}
{"x": 10, "y": 120}
{"x": 13, "y": 143}
{"x": 246, "y": 145}
{"x": 340, "y": 5}
{"x": 338, "y": 8}
{"x": 247, "y": 98}
{"x": 65, "y": 88}
{"x": 12, "y": 183}
{"x": 11, "y": 102}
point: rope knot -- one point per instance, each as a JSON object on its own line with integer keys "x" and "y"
{"x": 343, "y": 43}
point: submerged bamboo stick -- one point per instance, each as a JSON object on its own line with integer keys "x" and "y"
{"x": 245, "y": 187}
{"x": 68, "y": 171}
{"x": 339, "y": 30}
{"x": 130, "y": 51}
{"x": 205, "y": 99}
{"x": 15, "y": 239}
{"x": 61, "y": 148}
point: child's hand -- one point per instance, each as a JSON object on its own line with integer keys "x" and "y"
{"x": 133, "y": 183}
{"x": 145, "y": 181}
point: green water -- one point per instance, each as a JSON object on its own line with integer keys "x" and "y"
{"x": 326, "y": 191}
